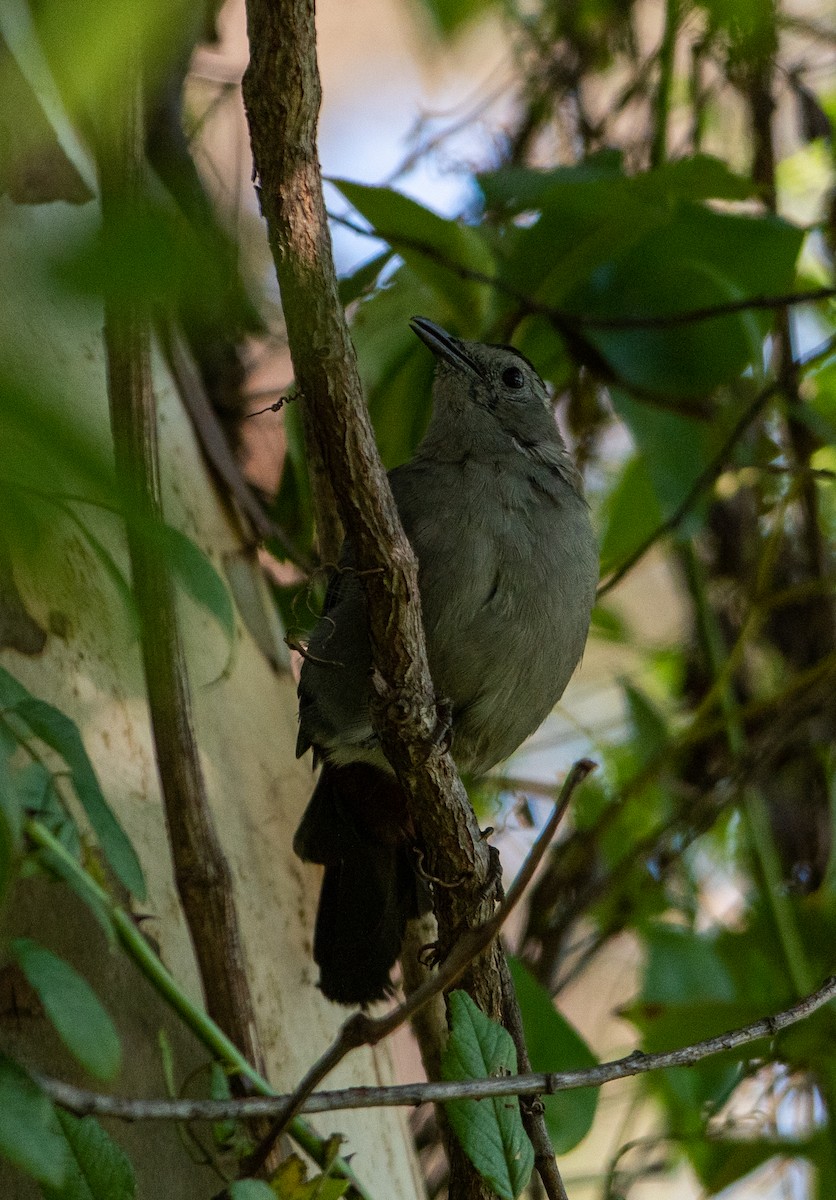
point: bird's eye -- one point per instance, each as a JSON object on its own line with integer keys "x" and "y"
{"x": 512, "y": 377}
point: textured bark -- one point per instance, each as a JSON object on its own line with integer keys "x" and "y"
{"x": 282, "y": 94}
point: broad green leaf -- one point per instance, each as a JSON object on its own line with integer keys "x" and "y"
{"x": 675, "y": 448}
{"x": 554, "y": 1045}
{"x": 720, "y": 1162}
{"x": 99, "y": 1168}
{"x": 251, "y": 1189}
{"x": 517, "y": 189}
{"x": 440, "y": 251}
{"x": 73, "y": 1008}
{"x": 694, "y": 258}
{"x": 683, "y": 967}
{"x": 490, "y": 1131}
{"x": 59, "y": 732}
{"x": 30, "y": 1136}
{"x": 698, "y": 178}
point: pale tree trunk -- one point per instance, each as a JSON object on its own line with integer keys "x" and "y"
{"x": 245, "y": 716}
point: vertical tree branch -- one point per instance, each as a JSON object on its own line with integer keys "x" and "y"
{"x": 282, "y": 93}
{"x": 202, "y": 874}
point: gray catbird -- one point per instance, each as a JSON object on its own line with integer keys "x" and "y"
{"x": 508, "y": 564}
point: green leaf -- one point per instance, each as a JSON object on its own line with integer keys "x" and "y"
{"x": 251, "y": 1189}
{"x": 490, "y": 1131}
{"x": 630, "y": 514}
{"x": 10, "y": 822}
{"x": 353, "y": 286}
{"x": 441, "y": 252}
{"x": 59, "y": 732}
{"x": 554, "y": 1045}
{"x": 11, "y": 692}
{"x": 397, "y": 370}
{"x": 30, "y": 1136}
{"x": 196, "y": 574}
{"x": 99, "y": 1167}
{"x": 650, "y": 731}
{"x": 694, "y": 258}
{"x": 291, "y": 1182}
{"x": 73, "y": 1008}
{"x": 722, "y": 1162}
{"x": 683, "y": 967}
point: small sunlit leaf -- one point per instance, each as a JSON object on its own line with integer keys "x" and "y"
{"x": 291, "y": 1182}
{"x": 73, "y": 1008}
{"x": 490, "y": 1131}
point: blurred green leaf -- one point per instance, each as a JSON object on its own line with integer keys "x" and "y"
{"x": 433, "y": 248}
{"x": 73, "y": 1008}
{"x": 490, "y": 1131}
{"x": 99, "y": 1168}
{"x": 700, "y": 177}
{"x": 353, "y": 286}
{"x": 630, "y": 514}
{"x": 449, "y": 16}
{"x": 397, "y": 370}
{"x": 251, "y": 1189}
{"x": 554, "y": 1045}
{"x": 10, "y": 822}
{"x": 30, "y": 1136}
{"x": 59, "y": 732}
{"x": 608, "y": 625}
{"x": 195, "y": 573}
{"x": 721, "y": 1162}
{"x": 650, "y": 730}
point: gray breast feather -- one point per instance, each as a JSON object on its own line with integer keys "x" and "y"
{"x": 507, "y": 574}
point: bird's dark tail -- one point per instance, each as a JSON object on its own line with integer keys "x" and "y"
{"x": 356, "y": 825}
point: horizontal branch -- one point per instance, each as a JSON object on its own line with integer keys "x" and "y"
{"x": 84, "y": 1103}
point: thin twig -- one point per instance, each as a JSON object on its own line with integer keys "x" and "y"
{"x": 412, "y": 1094}
{"x": 532, "y": 1113}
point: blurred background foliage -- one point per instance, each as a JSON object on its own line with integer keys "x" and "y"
{"x": 644, "y": 188}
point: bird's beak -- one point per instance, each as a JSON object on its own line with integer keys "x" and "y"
{"x": 443, "y": 344}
